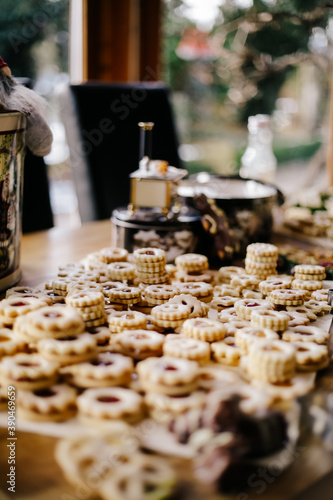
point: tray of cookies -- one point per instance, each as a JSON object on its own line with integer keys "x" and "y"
{"x": 129, "y": 361}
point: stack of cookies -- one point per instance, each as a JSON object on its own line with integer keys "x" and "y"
{"x": 261, "y": 259}
{"x": 150, "y": 266}
{"x": 193, "y": 267}
{"x": 90, "y": 304}
{"x": 308, "y": 278}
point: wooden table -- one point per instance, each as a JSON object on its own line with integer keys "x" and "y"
{"x": 38, "y": 476}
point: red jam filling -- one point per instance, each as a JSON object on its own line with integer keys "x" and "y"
{"x": 169, "y": 368}
{"x": 19, "y": 304}
{"x": 108, "y": 399}
{"x": 252, "y": 304}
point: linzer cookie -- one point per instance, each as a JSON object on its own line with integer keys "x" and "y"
{"x": 204, "y": 329}
{"x": 148, "y": 256}
{"x": 306, "y": 334}
{"x": 190, "y": 262}
{"x": 224, "y": 302}
{"x": 188, "y": 348}
{"x": 159, "y": 294}
{"x": 22, "y": 290}
{"x": 309, "y": 272}
{"x": 163, "y": 408}
{"x": 51, "y": 321}
{"x": 119, "y": 321}
{"x": 261, "y": 259}
{"x": 55, "y": 403}
{"x": 125, "y": 294}
{"x": 227, "y": 290}
{"x": 287, "y": 297}
{"x": 202, "y": 291}
{"x": 245, "y": 307}
{"x": 138, "y": 344}
{"x": 198, "y": 309}
{"x": 109, "y": 254}
{"x": 99, "y": 406}
{"x": 307, "y": 286}
{"x": 275, "y": 320}
{"x": 245, "y": 337}
{"x": 226, "y": 351}
{"x": 27, "y": 371}
{"x": 310, "y": 356}
{"x": 170, "y": 315}
{"x": 14, "y": 306}
{"x": 9, "y": 344}
{"x": 260, "y": 250}
{"x": 122, "y": 271}
{"x": 226, "y": 273}
{"x": 273, "y": 361}
{"x": 143, "y": 474}
{"x": 68, "y": 349}
{"x": 101, "y": 334}
{"x": 105, "y": 370}
{"x": 168, "y": 375}
{"x": 271, "y": 284}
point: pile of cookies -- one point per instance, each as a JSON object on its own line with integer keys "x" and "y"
{"x": 114, "y": 342}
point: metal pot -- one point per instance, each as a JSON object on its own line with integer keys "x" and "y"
{"x": 248, "y": 205}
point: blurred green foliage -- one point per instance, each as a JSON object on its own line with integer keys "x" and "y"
{"x": 25, "y": 24}
{"x": 258, "y": 48}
